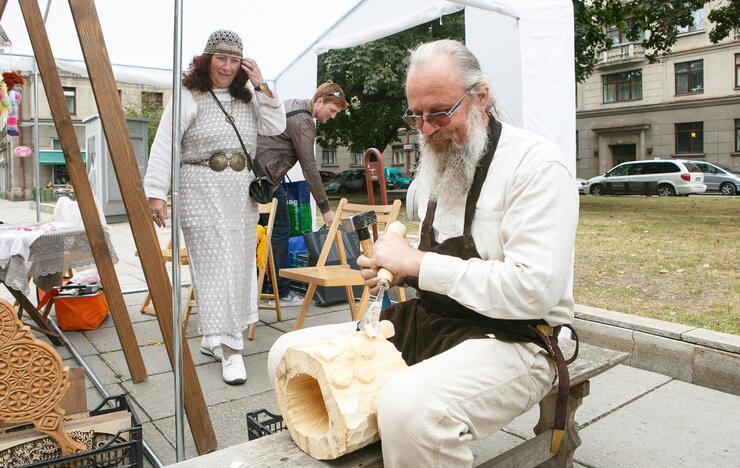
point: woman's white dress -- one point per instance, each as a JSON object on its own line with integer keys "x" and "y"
{"x": 218, "y": 218}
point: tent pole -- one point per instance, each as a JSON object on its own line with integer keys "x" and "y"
{"x": 175, "y": 235}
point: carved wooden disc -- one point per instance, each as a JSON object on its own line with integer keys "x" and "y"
{"x": 32, "y": 377}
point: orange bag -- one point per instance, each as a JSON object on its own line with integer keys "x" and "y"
{"x": 85, "y": 312}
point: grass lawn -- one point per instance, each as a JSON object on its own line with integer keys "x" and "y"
{"x": 674, "y": 259}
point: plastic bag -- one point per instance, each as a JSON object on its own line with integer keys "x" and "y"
{"x": 314, "y": 243}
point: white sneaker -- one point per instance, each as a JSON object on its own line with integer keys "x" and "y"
{"x": 291, "y": 300}
{"x": 216, "y": 352}
{"x": 234, "y": 372}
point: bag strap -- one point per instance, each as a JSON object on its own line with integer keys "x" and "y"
{"x": 297, "y": 111}
{"x": 230, "y": 120}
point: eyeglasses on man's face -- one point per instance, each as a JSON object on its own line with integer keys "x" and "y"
{"x": 436, "y": 119}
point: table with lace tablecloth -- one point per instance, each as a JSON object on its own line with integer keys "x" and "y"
{"x": 42, "y": 251}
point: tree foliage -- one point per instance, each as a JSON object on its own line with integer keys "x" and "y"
{"x": 652, "y": 23}
{"x": 725, "y": 19}
{"x": 372, "y": 76}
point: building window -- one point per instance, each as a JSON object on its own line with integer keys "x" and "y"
{"x": 616, "y": 35}
{"x": 737, "y": 70}
{"x": 398, "y": 157}
{"x": 151, "y": 101}
{"x": 690, "y": 77}
{"x": 737, "y": 135}
{"x": 690, "y": 138}
{"x": 578, "y": 153}
{"x": 355, "y": 159}
{"x": 329, "y": 157}
{"x": 56, "y": 144}
{"x": 625, "y": 86}
{"x": 70, "y": 96}
{"x": 697, "y": 23}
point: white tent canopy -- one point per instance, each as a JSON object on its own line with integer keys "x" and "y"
{"x": 525, "y": 46}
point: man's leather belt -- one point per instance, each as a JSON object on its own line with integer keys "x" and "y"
{"x": 218, "y": 162}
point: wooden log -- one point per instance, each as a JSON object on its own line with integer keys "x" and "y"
{"x": 327, "y": 390}
{"x": 103, "y": 83}
{"x": 76, "y": 168}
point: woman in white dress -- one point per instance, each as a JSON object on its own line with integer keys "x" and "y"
{"x": 218, "y": 218}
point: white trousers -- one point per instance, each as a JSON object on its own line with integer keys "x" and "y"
{"x": 428, "y": 413}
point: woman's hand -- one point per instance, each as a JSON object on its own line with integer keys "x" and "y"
{"x": 159, "y": 211}
{"x": 254, "y": 73}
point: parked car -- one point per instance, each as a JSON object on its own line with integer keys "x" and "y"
{"x": 347, "y": 182}
{"x": 394, "y": 179}
{"x": 719, "y": 178}
{"x": 326, "y": 176}
{"x": 663, "y": 177}
{"x": 581, "y": 184}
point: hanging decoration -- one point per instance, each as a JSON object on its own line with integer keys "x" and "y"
{"x": 13, "y": 81}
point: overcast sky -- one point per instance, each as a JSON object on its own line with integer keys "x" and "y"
{"x": 139, "y": 32}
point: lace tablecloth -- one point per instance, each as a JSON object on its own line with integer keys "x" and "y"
{"x": 51, "y": 254}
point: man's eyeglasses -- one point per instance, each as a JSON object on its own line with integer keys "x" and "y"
{"x": 436, "y": 119}
{"x": 338, "y": 94}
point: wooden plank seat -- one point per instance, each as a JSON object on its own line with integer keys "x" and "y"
{"x": 279, "y": 450}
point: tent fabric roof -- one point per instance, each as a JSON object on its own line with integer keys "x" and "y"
{"x": 526, "y": 46}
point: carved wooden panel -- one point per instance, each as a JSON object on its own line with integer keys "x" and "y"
{"x": 33, "y": 380}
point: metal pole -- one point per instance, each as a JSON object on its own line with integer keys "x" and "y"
{"x": 175, "y": 226}
{"x": 141, "y": 290}
{"x": 148, "y": 453}
{"x": 37, "y": 165}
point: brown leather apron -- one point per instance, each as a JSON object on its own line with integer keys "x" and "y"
{"x": 433, "y": 323}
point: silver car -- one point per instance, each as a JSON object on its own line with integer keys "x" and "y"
{"x": 719, "y": 178}
{"x": 663, "y": 177}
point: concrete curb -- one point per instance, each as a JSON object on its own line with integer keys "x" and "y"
{"x": 694, "y": 355}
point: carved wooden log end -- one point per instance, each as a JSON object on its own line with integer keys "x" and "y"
{"x": 327, "y": 391}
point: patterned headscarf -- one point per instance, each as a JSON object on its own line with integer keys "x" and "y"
{"x": 224, "y": 42}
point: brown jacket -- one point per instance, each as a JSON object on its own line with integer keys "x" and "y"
{"x": 278, "y": 154}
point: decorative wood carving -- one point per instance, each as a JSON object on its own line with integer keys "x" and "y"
{"x": 33, "y": 380}
{"x": 327, "y": 390}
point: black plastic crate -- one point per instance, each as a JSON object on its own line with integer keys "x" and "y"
{"x": 261, "y": 423}
{"x": 112, "y": 454}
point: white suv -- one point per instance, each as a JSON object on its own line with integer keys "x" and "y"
{"x": 664, "y": 177}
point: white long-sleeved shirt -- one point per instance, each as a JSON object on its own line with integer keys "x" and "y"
{"x": 270, "y": 121}
{"x": 524, "y": 229}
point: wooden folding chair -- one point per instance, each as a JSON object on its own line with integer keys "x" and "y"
{"x": 270, "y": 209}
{"x": 339, "y": 275}
{"x": 148, "y": 308}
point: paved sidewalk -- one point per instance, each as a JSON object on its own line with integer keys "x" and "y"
{"x": 632, "y": 417}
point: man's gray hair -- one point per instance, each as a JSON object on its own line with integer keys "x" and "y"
{"x": 469, "y": 69}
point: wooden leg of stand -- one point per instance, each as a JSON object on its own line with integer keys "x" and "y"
{"x": 304, "y": 308}
{"x": 275, "y": 289}
{"x": 351, "y": 300}
{"x": 250, "y": 331}
{"x": 363, "y": 304}
{"x": 43, "y": 326}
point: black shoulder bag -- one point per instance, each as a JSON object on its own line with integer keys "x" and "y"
{"x": 262, "y": 188}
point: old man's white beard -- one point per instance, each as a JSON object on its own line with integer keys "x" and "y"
{"x": 449, "y": 173}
